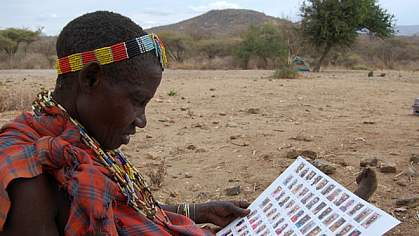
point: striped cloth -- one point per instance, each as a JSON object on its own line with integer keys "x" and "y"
{"x": 49, "y": 143}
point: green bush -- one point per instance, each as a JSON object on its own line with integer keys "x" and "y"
{"x": 285, "y": 72}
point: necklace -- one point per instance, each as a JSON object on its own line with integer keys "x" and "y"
{"x": 131, "y": 183}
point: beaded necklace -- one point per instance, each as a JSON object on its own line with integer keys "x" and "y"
{"x": 131, "y": 183}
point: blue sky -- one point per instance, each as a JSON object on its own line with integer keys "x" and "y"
{"x": 52, "y": 16}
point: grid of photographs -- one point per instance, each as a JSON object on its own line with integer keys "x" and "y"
{"x": 305, "y": 201}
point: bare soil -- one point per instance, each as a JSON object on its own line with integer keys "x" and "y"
{"x": 209, "y": 140}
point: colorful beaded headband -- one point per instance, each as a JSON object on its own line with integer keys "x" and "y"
{"x": 117, "y": 52}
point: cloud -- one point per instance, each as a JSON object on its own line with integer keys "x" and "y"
{"x": 218, "y": 5}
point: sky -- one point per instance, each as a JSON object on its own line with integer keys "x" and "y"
{"x": 53, "y": 16}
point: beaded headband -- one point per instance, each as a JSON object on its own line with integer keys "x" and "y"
{"x": 117, "y": 52}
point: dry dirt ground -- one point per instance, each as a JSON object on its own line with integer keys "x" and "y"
{"x": 209, "y": 140}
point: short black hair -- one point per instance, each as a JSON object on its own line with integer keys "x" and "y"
{"x": 96, "y": 30}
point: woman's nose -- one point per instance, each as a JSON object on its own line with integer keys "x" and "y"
{"x": 140, "y": 121}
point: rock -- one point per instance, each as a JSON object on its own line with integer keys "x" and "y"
{"x": 369, "y": 122}
{"x": 187, "y": 175}
{"x": 222, "y": 114}
{"x": 369, "y": 162}
{"x": 232, "y": 125}
{"x": 233, "y": 191}
{"x": 201, "y": 150}
{"x": 414, "y": 158}
{"x": 408, "y": 201}
{"x": 383, "y": 75}
{"x": 309, "y": 154}
{"x": 302, "y": 138}
{"x": 400, "y": 209}
{"x": 401, "y": 183}
{"x": 212, "y": 89}
{"x": 325, "y": 166}
{"x": 387, "y": 167}
{"x": 148, "y": 136}
{"x": 371, "y": 74}
{"x": 253, "y": 111}
{"x": 191, "y": 147}
{"x": 293, "y": 154}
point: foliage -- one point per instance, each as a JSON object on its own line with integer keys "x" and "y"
{"x": 265, "y": 42}
{"x": 11, "y": 38}
{"x": 179, "y": 45}
{"x": 285, "y": 72}
{"x": 211, "y": 48}
{"x": 330, "y": 23}
{"x": 172, "y": 93}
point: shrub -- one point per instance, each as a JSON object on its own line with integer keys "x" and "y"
{"x": 285, "y": 72}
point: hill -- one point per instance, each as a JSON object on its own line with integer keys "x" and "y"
{"x": 407, "y": 30}
{"x": 220, "y": 23}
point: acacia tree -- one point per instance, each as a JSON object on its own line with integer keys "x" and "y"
{"x": 265, "y": 42}
{"x": 11, "y": 38}
{"x": 330, "y": 23}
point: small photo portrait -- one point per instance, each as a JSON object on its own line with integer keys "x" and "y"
{"x": 347, "y": 205}
{"x": 315, "y": 231}
{"x": 252, "y": 213}
{"x": 322, "y": 184}
{"x": 274, "y": 217}
{"x": 319, "y": 208}
{"x": 327, "y": 190}
{"x": 359, "y": 218}
{"x": 289, "y": 232}
{"x": 267, "y": 208}
{"x": 296, "y": 189}
{"x": 304, "y": 172}
{"x": 303, "y": 220}
{"x": 281, "y": 229}
{"x": 330, "y": 219}
{"x": 356, "y": 208}
{"x": 355, "y": 233}
{"x": 334, "y": 194}
{"x": 306, "y": 198}
{"x": 240, "y": 223}
{"x": 337, "y": 224}
{"x": 264, "y": 233}
{"x": 313, "y": 202}
{"x": 294, "y": 210}
{"x": 278, "y": 223}
{"x": 371, "y": 220}
{"x": 260, "y": 229}
{"x": 292, "y": 184}
{"x": 299, "y": 168}
{"x": 307, "y": 227}
{"x": 342, "y": 199}
{"x": 316, "y": 180}
{"x": 297, "y": 216}
{"x": 311, "y": 175}
{"x": 264, "y": 203}
{"x": 245, "y": 233}
{"x": 256, "y": 224}
{"x": 303, "y": 192}
{"x": 345, "y": 230}
{"x": 254, "y": 219}
{"x": 282, "y": 202}
{"x": 280, "y": 196}
{"x": 276, "y": 192}
{"x": 241, "y": 228}
{"x": 287, "y": 180}
{"x": 289, "y": 204}
{"x": 325, "y": 213}
{"x": 228, "y": 233}
{"x": 271, "y": 213}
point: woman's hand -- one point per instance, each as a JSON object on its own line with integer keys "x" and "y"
{"x": 220, "y": 213}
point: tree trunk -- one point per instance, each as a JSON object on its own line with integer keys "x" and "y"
{"x": 320, "y": 62}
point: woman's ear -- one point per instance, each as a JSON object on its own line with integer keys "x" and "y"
{"x": 90, "y": 76}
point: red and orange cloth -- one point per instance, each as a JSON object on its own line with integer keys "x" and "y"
{"x": 31, "y": 145}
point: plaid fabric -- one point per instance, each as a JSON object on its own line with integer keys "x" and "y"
{"x": 35, "y": 144}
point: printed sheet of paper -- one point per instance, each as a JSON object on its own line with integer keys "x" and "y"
{"x": 305, "y": 201}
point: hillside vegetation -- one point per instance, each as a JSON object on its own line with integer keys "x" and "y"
{"x": 234, "y": 39}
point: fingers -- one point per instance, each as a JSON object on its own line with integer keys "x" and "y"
{"x": 239, "y": 208}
